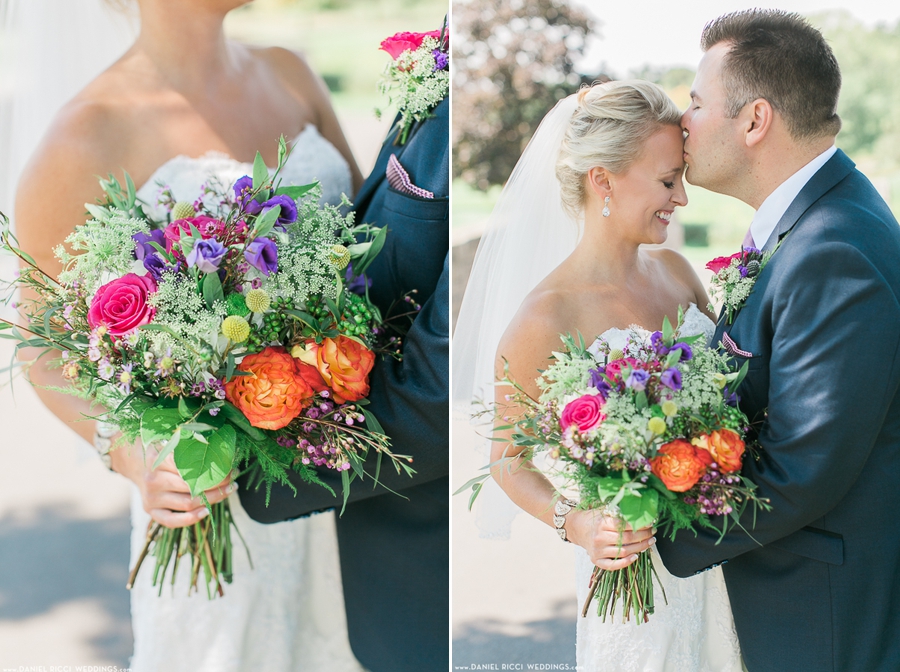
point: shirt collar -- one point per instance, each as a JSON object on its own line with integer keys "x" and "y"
{"x": 770, "y": 212}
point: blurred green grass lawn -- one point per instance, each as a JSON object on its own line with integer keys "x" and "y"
{"x": 340, "y": 38}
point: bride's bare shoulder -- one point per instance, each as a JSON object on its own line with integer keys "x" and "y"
{"x": 533, "y": 334}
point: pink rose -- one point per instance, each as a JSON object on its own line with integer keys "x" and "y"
{"x": 397, "y": 44}
{"x": 614, "y": 368}
{"x": 586, "y": 412}
{"x": 121, "y": 305}
{"x": 719, "y": 263}
{"x": 208, "y": 227}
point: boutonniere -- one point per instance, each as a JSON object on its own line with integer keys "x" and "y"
{"x": 418, "y": 78}
{"x": 734, "y": 277}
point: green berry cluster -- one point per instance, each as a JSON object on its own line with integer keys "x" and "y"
{"x": 272, "y": 328}
{"x": 355, "y": 319}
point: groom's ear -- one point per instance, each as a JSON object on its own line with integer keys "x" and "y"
{"x": 598, "y": 181}
{"x": 757, "y": 117}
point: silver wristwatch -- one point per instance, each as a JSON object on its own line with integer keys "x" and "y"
{"x": 561, "y": 510}
{"x": 103, "y": 435}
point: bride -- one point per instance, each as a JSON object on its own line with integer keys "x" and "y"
{"x": 184, "y": 105}
{"x": 616, "y": 151}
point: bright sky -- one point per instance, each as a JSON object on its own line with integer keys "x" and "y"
{"x": 667, "y": 32}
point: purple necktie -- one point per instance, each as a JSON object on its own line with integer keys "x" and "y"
{"x": 748, "y": 241}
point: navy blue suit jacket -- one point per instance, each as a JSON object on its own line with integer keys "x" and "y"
{"x": 395, "y": 550}
{"x": 818, "y": 586}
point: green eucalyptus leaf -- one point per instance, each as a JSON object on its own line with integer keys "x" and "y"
{"x": 168, "y": 447}
{"x": 296, "y": 192}
{"x": 260, "y": 172}
{"x": 204, "y": 466}
{"x": 640, "y": 508}
{"x": 212, "y": 289}
{"x": 265, "y": 223}
{"x": 158, "y": 424}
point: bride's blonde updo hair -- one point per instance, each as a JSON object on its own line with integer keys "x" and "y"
{"x": 609, "y": 128}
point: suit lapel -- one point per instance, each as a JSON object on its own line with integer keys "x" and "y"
{"x": 834, "y": 170}
{"x": 378, "y": 172}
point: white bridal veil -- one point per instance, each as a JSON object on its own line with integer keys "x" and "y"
{"x": 528, "y": 235}
{"x": 49, "y": 50}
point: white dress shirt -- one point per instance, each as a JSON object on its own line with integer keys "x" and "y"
{"x": 770, "y": 212}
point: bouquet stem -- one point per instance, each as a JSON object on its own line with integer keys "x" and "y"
{"x": 634, "y": 584}
{"x": 207, "y": 543}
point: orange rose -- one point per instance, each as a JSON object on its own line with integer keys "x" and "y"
{"x": 345, "y": 365}
{"x": 725, "y": 446}
{"x": 274, "y": 394}
{"x": 679, "y": 465}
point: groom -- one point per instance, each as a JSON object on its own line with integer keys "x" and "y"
{"x": 395, "y": 550}
{"x": 818, "y": 586}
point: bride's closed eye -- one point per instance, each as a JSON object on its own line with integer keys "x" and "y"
{"x": 669, "y": 185}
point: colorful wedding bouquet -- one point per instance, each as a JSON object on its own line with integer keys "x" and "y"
{"x": 648, "y": 432}
{"x": 418, "y": 77}
{"x": 239, "y": 331}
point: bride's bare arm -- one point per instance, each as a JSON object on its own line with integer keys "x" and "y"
{"x": 60, "y": 178}
{"x": 523, "y": 352}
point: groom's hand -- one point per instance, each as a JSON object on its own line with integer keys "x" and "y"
{"x": 609, "y": 546}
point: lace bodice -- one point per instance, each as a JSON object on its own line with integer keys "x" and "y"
{"x": 286, "y": 612}
{"x": 695, "y": 322}
{"x": 312, "y": 158}
{"x": 694, "y": 632}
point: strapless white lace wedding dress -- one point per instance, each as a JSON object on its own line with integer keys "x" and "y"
{"x": 287, "y": 612}
{"x": 694, "y": 632}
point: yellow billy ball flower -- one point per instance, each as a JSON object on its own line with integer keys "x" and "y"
{"x": 258, "y": 300}
{"x": 669, "y": 408}
{"x": 616, "y": 354}
{"x": 720, "y": 380}
{"x": 340, "y": 256}
{"x": 657, "y": 426}
{"x": 235, "y": 328}
{"x": 183, "y": 210}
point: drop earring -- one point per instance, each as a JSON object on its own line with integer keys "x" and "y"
{"x": 605, "y": 212}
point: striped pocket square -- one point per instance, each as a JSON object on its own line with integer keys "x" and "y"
{"x": 732, "y": 348}
{"x": 398, "y": 178}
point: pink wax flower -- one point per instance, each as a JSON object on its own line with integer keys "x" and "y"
{"x": 208, "y": 227}
{"x": 121, "y": 305}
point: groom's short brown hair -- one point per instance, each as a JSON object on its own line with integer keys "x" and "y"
{"x": 780, "y": 57}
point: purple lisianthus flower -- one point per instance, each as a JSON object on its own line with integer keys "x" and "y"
{"x": 288, "y": 209}
{"x": 686, "y": 352}
{"x": 637, "y": 380}
{"x": 206, "y": 255}
{"x": 358, "y": 284}
{"x": 262, "y": 254}
{"x": 671, "y": 378}
{"x": 598, "y": 381}
{"x": 142, "y": 246}
{"x": 656, "y": 341}
{"x": 440, "y": 60}
{"x": 155, "y": 266}
{"x": 243, "y": 190}
{"x": 731, "y": 398}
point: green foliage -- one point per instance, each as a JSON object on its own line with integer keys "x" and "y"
{"x": 511, "y": 64}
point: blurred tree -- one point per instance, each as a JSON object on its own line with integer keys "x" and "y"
{"x": 512, "y": 61}
{"x": 870, "y": 93}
